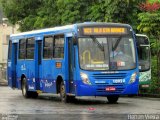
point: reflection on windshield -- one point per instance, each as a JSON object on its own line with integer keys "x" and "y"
{"x": 106, "y": 53}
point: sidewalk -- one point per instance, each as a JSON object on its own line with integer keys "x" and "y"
{"x": 3, "y": 82}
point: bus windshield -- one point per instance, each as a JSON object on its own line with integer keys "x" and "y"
{"x": 107, "y": 53}
{"x": 143, "y": 53}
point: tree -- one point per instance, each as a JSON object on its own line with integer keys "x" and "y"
{"x": 149, "y": 24}
{"x": 36, "y": 14}
{"x": 122, "y": 11}
{"x": 22, "y": 12}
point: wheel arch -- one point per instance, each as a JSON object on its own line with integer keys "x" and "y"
{"x": 22, "y": 76}
{"x": 58, "y": 82}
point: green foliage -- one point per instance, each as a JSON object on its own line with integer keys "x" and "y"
{"x": 154, "y": 82}
{"x": 154, "y": 45}
{"x": 21, "y": 12}
{"x": 149, "y": 23}
{"x": 121, "y": 11}
{"x": 152, "y": 1}
{"x": 36, "y": 14}
{"x": 69, "y": 11}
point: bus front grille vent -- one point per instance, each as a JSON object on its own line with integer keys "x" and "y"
{"x": 109, "y": 76}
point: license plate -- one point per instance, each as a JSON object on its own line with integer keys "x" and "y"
{"x": 110, "y": 88}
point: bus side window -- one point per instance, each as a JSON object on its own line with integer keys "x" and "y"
{"x": 48, "y": 47}
{"x": 10, "y": 50}
{"x": 22, "y": 49}
{"x": 58, "y": 51}
{"x": 30, "y": 48}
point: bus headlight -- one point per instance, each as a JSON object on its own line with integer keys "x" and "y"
{"x": 85, "y": 78}
{"x": 133, "y": 78}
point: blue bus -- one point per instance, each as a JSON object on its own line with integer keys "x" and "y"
{"x": 75, "y": 60}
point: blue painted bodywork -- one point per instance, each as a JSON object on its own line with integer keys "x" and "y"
{"x": 99, "y": 89}
{"x": 44, "y": 77}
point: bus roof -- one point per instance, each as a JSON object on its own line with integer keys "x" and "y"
{"x": 65, "y": 28}
{"x": 43, "y": 30}
{"x": 142, "y": 41}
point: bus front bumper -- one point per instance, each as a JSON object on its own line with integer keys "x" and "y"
{"x": 101, "y": 90}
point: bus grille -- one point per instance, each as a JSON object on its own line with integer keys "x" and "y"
{"x": 109, "y": 76}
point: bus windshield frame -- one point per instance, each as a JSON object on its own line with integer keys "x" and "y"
{"x": 104, "y": 48}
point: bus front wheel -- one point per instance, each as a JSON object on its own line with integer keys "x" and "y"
{"x": 63, "y": 95}
{"x": 112, "y": 98}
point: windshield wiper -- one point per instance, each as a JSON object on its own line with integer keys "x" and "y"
{"x": 98, "y": 44}
{"x": 117, "y": 43}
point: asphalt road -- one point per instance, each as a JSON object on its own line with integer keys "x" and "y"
{"x": 13, "y": 105}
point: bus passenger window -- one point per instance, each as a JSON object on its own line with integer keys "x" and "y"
{"x": 48, "y": 47}
{"x": 58, "y": 46}
{"x": 22, "y": 49}
{"x": 30, "y": 49}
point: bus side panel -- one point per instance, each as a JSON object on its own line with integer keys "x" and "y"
{"x": 27, "y": 69}
{"x": 30, "y": 75}
{"x": 21, "y": 70}
{"x": 48, "y": 81}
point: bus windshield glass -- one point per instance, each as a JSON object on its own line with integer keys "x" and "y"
{"x": 143, "y": 53}
{"x": 107, "y": 53}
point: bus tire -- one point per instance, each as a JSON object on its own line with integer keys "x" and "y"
{"x": 131, "y": 96}
{"x": 112, "y": 98}
{"x": 25, "y": 91}
{"x": 34, "y": 94}
{"x": 64, "y": 97}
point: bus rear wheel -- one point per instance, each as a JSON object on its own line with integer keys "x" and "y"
{"x": 112, "y": 98}
{"x": 25, "y": 92}
{"x": 34, "y": 94}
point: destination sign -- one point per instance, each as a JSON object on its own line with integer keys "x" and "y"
{"x": 104, "y": 30}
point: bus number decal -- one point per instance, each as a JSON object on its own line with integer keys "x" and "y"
{"x": 23, "y": 67}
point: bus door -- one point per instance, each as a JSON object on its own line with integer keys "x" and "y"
{"x": 71, "y": 64}
{"x": 14, "y": 66}
{"x": 38, "y": 63}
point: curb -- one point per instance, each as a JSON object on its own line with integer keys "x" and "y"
{"x": 149, "y": 95}
{"x": 3, "y": 84}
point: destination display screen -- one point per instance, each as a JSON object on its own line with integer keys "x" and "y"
{"x": 104, "y": 30}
